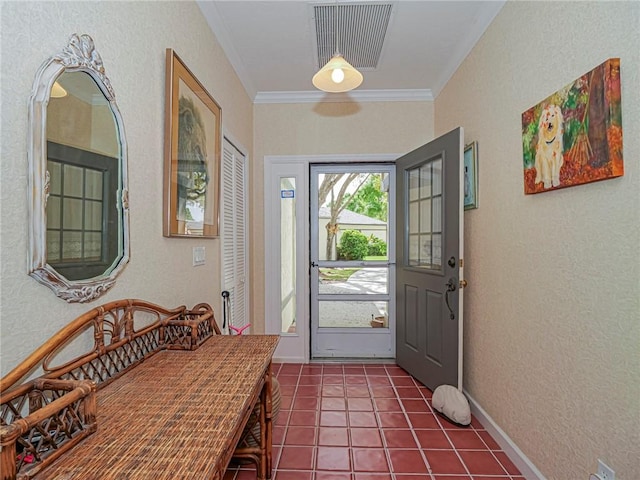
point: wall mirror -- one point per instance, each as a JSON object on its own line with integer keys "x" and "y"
{"x": 79, "y": 213}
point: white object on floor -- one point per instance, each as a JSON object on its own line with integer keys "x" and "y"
{"x": 452, "y": 403}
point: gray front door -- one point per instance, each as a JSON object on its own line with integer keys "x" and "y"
{"x": 429, "y": 266}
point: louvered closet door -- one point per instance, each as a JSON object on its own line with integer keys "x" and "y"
{"x": 234, "y": 253}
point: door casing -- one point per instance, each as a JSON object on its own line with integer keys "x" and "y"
{"x": 294, "y": 347}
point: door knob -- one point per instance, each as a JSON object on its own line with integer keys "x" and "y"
{"x": 463, "y": 283}
{"x": 451, "y": 287}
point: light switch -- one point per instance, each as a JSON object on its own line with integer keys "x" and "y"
{"x": 198, "y": 256}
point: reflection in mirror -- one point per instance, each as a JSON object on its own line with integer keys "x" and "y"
{"x": 82, "y": 223}
{"x": 82, "y": 161}
{"x": 79, "y": 221}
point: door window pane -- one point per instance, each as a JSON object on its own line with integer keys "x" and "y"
{"x": 55, "y": 178}
{"x": 75, "y": 214}
{"x": 71, "y": 246}
{"x": 53, "y": 212}
{"x": 72, "y": 180}
{"x": 353, "y": 281}
{"x": 93, "y": 184}
{"x": 353, "y": 314}
{"x": 436, "y": 182}
{"x": 425, "y": 181}
{"x": 53, "y": 246}
{"x": 425, "y": 250}
{"x": 424, "y": 216}
{"x": 92, "y": 245}
{"x": 414, "y": 250}
{"x": 72, "y": 214}
{"x": 93, "y": 215}
{"x": 353, "y": 204}
{"x": 437, "y": 250}
{"x": 414, "y": 217}
{"x": 437, "y": 214}
{"x": 414, "y": 184}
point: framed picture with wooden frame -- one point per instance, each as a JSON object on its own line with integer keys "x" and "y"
{"x": 471, "y": 176}
{"x": 193, "y": 137}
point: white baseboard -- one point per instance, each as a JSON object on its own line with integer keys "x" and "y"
{"x": 289, "y": 360}
{"x": 519, "y": 459}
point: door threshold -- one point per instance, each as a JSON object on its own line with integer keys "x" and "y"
{"x": 368, "y": 360}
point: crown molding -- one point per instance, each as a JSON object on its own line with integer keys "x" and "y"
{"x": 410, "y": 95}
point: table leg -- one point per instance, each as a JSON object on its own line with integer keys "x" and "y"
{"x": 269, "y": 423}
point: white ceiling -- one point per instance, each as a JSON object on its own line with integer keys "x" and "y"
{"x": 271, "y": 45}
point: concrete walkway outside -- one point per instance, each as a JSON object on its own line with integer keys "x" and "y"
{"x": 351, "y": 313}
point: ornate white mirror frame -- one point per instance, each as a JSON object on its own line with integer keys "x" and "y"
{"x": 79, "y": 55}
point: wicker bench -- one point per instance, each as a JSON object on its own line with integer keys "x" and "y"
{"x": 43, "y": 418}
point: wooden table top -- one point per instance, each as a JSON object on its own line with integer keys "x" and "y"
{"x": 177, "y": 415}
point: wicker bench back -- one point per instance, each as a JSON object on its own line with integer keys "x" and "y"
{"x": 42, "y": 418}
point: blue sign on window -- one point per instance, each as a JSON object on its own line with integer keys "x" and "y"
{"x": 287, "y": 193}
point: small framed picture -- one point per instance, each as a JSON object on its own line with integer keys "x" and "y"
{"x": 471, "y": 176}
{"x": 192, "y": 155}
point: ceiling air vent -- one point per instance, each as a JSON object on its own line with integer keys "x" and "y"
{"x": 362, "y": 29}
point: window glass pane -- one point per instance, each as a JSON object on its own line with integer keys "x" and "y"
{"x": 425, "y": 181}
{"x": 437, "y": 250}
{"x": 53, "y": 212}
{"x": 92, "y": 246}
{"x": 425, "y": 216}
{"x": 53, "y": 245}
{"x": 72, "y": 214}
{"x": 425, "y": 250}
{"x": 353, "y": 281}
{"x": 55, "y": 174}
{"x": 437, "y": 214}
{"x": 92, "y": 215}
{"x": 353, "y": 314}
{"x": 288, "y": 254}
{"x": 73, "y": 181}
{"x": 414, "y": 184}
{"x": 93, "y": 184}
{"x": 414, "y": 219}
{"x": 71, "y": 246}
{"x": 437, "y": 177}
{"x": 414, "y": 250}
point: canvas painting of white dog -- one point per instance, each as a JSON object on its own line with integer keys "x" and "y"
{"x": 574, "y": 136}
{"x": 549, "y": 151}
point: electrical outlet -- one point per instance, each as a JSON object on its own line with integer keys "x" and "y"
{"x": 198, "y": 256}
{"x": 605, "y": 472}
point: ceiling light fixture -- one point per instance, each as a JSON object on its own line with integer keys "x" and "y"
{"x": 337, "y": 75}
{"x": 57, "y": 91}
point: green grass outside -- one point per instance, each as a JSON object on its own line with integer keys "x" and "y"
{"x": 343, "y": 274}
{"x": 336, "y": 274}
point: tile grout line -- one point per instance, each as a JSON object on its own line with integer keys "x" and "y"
{"x": 388, "y": 375}
{"x": 408, "y": 420}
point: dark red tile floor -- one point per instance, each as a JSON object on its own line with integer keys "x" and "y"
{"x": 371, "y": 422}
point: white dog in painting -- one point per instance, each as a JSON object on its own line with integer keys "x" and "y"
{"x": 549, "y": 149}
